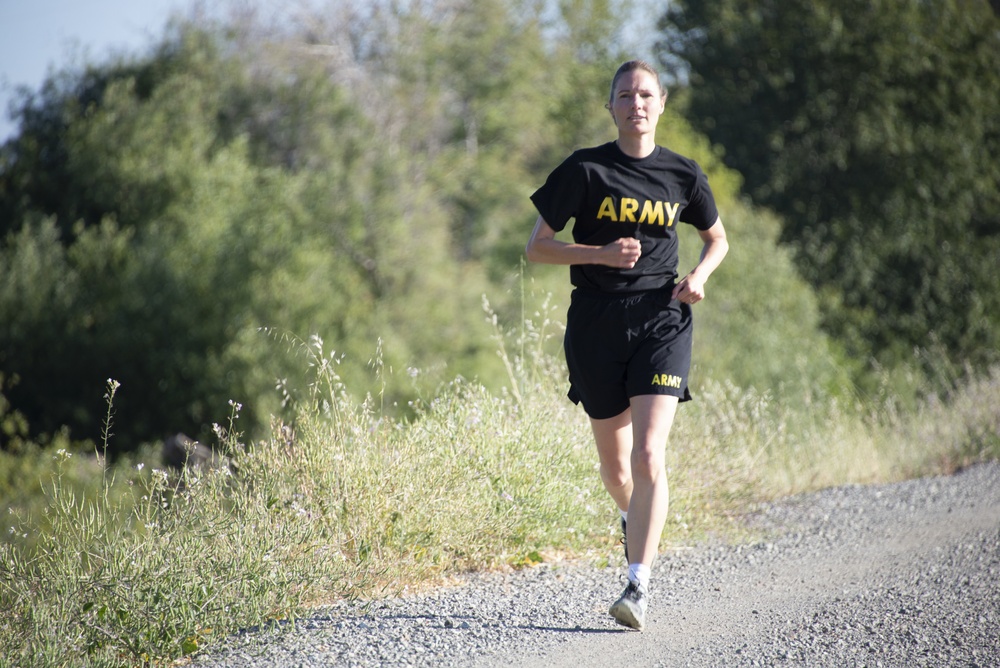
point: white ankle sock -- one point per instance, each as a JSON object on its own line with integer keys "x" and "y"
{"x": 639, "y": 573}
{"x": 624, "y": 514}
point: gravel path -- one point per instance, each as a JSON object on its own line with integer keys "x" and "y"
{"x": 896, "y": 575}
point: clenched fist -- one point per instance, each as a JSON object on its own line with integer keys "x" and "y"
{"x": 622, "y": 253}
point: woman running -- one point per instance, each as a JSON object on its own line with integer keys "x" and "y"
{"x": 629, "y": 325}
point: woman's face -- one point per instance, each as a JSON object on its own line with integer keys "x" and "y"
{"x": 637, "y": 102}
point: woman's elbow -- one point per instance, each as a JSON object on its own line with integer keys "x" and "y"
{"x": 531, "y": 251}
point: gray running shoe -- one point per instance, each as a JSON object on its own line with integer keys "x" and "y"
{"x": 630, "y": 609}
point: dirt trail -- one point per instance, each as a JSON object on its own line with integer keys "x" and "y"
{"x": 899, "y": 575}
{"x": 895, "y": 575}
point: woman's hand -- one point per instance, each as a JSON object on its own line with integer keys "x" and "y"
{"x": 622, "y": 253}
{"x": 690, "y": 290}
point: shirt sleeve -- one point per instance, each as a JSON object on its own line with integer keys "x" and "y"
{"x": 701, "y": 210}
{"x": 561, "y": 195}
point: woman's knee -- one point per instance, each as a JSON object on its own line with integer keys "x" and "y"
{"x": 616, "y": 473}
{"x": 647, "y": 464}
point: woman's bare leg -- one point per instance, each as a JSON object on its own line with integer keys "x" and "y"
{"x": 652, "y": 418}
{"x": 613, "y": 437}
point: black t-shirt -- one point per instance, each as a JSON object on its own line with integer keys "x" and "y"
{"x": 612, "y": 195}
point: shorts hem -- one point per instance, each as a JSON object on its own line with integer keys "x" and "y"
{"x": 595, "y": 414}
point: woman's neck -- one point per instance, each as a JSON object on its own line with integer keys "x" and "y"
{"x": 637, "y": 146}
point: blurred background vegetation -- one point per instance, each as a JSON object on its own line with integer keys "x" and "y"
{"x": 298, "y": 237}
{"x": 177, "y": 219}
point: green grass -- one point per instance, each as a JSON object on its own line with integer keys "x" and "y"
{"x": 130, "y": 564}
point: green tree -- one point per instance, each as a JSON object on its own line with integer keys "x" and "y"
{"x": 872, "y": 128}
{"x": 363, "y": 177}
{"x": 190, "y": 222}
{"x": 156, "y": 303}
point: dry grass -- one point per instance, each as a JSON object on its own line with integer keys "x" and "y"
{"x": 348, "y": 502}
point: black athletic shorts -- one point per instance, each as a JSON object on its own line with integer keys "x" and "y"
{"x": 622, "y": 346}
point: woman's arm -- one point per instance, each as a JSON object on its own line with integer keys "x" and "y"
{"x": 691, "y": 288}
{"x": 544, "y": 247}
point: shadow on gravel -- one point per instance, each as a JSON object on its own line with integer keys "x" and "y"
{"x": 467, "y": 622}
{"x": 575, "y": 629}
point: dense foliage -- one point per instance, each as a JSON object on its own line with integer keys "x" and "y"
{"x": 157, "y": 213}
{"x": 872, "y": 129}
{"x": 185, "y": 220}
